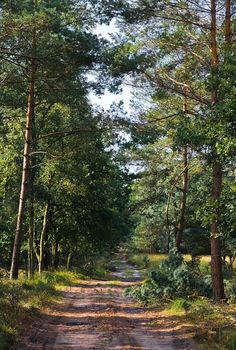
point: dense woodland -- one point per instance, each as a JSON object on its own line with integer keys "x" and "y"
{"x": 77, "y": 180}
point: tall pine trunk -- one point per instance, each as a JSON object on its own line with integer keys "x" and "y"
{"x": 216, "y": 256}
{"x": 26, "y": 165}
{"x": 31, "y": 231}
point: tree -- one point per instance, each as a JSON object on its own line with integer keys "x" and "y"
{"x": 175, "y": 36}
{"x": 46, "y": 49}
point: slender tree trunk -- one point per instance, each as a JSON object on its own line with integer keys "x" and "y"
{"x": 181, "y": 223}
{"x": 56, "y": 254}
{"x": 31, "y": 208}
{"x": 24, "y": 183}
{"x": 68, "y": 261}
{"x": 42, "y": 237}
{"x": 46, "y": 256}
{"x": 216, "y": 255}
{"x": 31, "y": 237}
{"x": 26, "y": 167}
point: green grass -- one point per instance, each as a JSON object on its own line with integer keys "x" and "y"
{"x": 215, "y": 324}
{"x": 23, "y": 299}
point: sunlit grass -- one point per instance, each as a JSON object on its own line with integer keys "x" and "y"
{"x": 22, "y": 299}
{"x": 212, "y": 325}
{"x": 155, "y": 259}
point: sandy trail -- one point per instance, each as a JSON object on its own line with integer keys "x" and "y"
{"x": 96, "y": 315}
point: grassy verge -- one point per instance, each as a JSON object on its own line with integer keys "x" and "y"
{"x": 22, "y": 299}
{"x": 212, "y": 325}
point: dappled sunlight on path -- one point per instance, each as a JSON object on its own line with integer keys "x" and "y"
{"x": 96, "y": 315}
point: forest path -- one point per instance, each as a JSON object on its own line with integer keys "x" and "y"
{"x": 96, "y": 315}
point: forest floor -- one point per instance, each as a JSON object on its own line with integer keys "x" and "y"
{"x": 96, "y": 315}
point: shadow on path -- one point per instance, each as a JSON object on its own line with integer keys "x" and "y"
{"x": 96, "y": 315}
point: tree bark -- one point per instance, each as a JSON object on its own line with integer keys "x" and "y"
{"x": 43, "y": 233}
{"x": 181, "y": 223}
{"x": 216, "y": 255}
{"x": 68, "y": 260}
{"x": 31, "y": 235}
{"x": 31, "y": 231}
{"x": 46, "y": 254}
{"x": 56, "y": 254}
{"x": 26, "y": 166}
{"x": 228, "y": 21}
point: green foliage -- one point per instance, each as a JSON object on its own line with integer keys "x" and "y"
{"x": 230, "y": 290}
{"x": 174, "y": 278}
{"x": 73, "y": 167}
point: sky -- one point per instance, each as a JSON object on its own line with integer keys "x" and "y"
{"x": 108, "y": 98}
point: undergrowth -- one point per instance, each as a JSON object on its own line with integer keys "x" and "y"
{"x": 174, "y": 278}
{"x": 213, "y": 325}
{"x": 22, "y": 299}
{"x": 184, "y": 287}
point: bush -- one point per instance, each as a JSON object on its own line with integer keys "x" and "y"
{"x": 230, "y": 291}
{"x": 174, "y": 278}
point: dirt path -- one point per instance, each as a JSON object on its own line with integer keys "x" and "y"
{"x": 96, "y": 315}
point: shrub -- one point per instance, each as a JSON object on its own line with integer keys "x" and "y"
{"x": 230, "y": 291}
{"x": 174, "y": 278}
